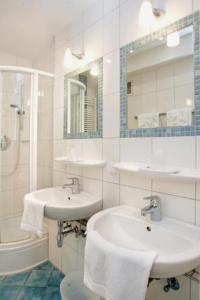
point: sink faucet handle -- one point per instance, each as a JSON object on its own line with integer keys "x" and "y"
{"x": 154, "y": 200}
{"x": 75, "y": 180}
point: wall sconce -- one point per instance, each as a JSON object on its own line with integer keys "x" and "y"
{"x": 158, "y": 7}
{"x": 149, "y": 10}
{"x": 69, "y": 58}
{"x": 173, "y": 39}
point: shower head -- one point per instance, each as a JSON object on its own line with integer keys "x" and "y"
{"x": 18, "y": 109}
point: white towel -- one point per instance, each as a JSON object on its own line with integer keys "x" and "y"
{"x": 179, "y": 117}
{"x": 148, "y": 120}
{"x": 33, "y": 215}
{"x": 116, "y": 273}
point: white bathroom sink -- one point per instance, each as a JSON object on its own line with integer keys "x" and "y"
{"x": 62, "y": 206}
{"x": 177, "y": 244}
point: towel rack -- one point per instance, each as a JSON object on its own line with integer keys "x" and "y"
{"x": 160, "y": 115}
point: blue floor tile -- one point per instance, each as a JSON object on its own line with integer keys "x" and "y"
{"x": 31, "y": 293}
{"x": 38, "y": 278}
{"x": 45, "y": 266}
{"x": 41, "y": 283}
{"x": 55, "y": 278}
{"x": 1, "y": 279}
{"x": 18, "y": 279}
{"x": 52, "y": 293}
{"x": 7, "y": 293}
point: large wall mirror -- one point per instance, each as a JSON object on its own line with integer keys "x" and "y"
{"x": 83, "y": 92}
{"x": 159, "y": 82}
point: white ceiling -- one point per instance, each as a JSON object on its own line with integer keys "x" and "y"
{"x": 27, "y": 27}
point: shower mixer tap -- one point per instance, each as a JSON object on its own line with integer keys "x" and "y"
{"x": 19, "y": 110}
{"x": 4, "y": 142}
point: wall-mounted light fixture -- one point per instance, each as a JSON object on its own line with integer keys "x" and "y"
{"x": 149, "y": 10}
{"x": 69, "y": 58}
{"x": 158, "y": 7}
{"x": 146, "y": 16}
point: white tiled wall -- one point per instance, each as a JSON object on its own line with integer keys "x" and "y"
{"x": 12, "y": 60}
{"x": 45, "y": 132}
{"x": 105, "y": 27}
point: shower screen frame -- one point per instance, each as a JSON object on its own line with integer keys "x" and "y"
{"x": 33, "y": 116}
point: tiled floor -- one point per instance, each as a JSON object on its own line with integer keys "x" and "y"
{"x": 41, "y": 283}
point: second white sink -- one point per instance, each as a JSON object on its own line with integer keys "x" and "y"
{"x": 177, "y": 244}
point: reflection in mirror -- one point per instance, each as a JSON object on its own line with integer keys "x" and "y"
{"x": 160, "y": 82}
{"x": 82, "y": 95}
{"x": 83, "y": 91}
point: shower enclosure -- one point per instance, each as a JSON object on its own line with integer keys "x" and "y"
{"x": 26, "y": 97}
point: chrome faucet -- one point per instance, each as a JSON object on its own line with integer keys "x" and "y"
{"x": 74, "y": 185}
{"x": 154, "y": 208}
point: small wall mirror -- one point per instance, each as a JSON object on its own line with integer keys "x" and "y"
{"x": 83, "y": 102}
{"x": 158, "y": 81}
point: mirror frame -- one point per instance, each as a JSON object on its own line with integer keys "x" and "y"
{"x": 98, "y": 132}
{"x": 125, "y": 132}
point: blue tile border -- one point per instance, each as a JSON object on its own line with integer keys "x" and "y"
{"x": 87, "y": 135}
{"x": 194, "y": 20}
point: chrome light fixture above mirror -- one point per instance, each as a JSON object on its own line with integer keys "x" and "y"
{"x": 150, "y": 9}
{"x": 69, "y": 58}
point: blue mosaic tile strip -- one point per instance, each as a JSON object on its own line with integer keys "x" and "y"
{"x": 40, "y": 283}
{"x": 194, "y": 20}
{"x": 99, "y": 132}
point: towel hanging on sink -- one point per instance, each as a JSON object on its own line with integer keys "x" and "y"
{"x": 116, "y": 273}
{"x": 33, "y": 215}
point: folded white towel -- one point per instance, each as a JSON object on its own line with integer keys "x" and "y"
{"x": 116, "y": 273}
{"x": 33, "y": 215}
{"x": 179, "y": 117}
{"x": 148, "y": 120}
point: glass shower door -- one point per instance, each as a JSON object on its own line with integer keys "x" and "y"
{"x": 15, "y": 97}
